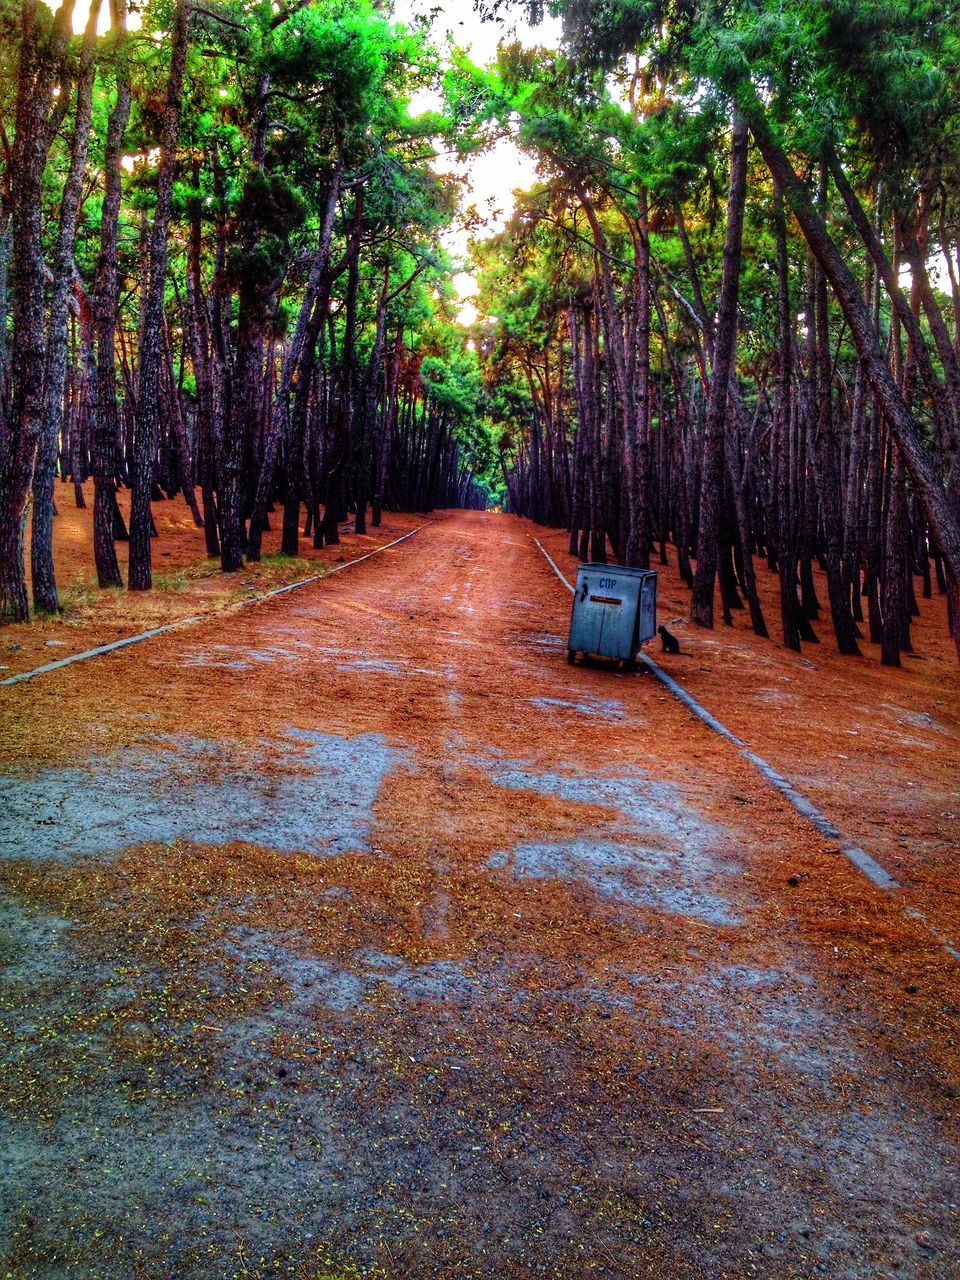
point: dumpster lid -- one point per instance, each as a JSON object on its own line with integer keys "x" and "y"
{"x": 618, "y": 568}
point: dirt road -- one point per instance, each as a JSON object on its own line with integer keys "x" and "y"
{"x": 357, "y": 934}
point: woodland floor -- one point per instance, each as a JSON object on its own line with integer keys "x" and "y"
{"x": 357, "y": 934}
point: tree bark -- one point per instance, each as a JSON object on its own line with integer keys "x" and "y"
{"x": 147, "y": 428}
{"x": 724, "y": 358}
{"x": 106, "y": 424}
{"x": 943, "y": 519}
{"x": 21, "y": 424}
{"x": 44, "y": 581}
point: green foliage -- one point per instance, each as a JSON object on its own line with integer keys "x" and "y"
{"x": 630, "y": 119}
{"x": 273, "y": 211}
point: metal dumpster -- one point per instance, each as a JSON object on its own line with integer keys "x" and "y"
{"x": 614, "y": 611}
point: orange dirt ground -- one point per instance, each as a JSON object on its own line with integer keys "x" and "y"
{"x": 876, "y": 748}
{"x": 185, "y": 581}
{"x": 357, "y": 934}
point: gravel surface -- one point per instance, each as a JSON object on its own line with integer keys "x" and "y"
{"x": 359, "y": 935}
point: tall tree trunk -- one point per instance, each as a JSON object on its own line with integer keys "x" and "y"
{"x": 242, "y": 423}
{"x": 944, "y": 411}
{"x": 640, "y": 377}
{"x": 296, "y": 359}
{"x": 55, "y": 366}
{"x": 6, "y": 249}
{"x": 21, "y": 423}
{"x": 147, "y": 430}
{"x": 106, "y": 424}
{"x": 245, "y": 382}
{"x": 368, "y": 405}
{"x": 342, "y": 409}
{"x": 783, "y": 418}
{"x": 622, "y": 382}
{"x": 827, "y": 461}
{"x": 894, "y": 553}
{"x": 941, "y": 515}
{"x": 387, "y": 426}
{"x": 737, "y": 481}
{"x": 725, "y": 347}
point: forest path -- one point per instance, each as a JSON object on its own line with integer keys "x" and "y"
{"x": 358, "y": 930}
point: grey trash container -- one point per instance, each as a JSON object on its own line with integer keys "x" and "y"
{"x": 614, "y": 611}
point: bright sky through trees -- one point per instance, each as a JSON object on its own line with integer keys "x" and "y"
{"x": 492, "y": 177}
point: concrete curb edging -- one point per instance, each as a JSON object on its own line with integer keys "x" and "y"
{"x": 102, "y": 649}
{"x": 862, "y": 860}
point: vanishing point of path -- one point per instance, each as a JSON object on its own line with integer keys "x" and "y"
{"x": 357, "y": 934}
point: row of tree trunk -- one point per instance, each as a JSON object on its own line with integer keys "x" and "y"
{"x": 325, "y": 419}
{"x": 808, "y": 460}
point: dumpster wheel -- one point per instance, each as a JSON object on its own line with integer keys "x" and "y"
{"x": 571, "y": 656}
